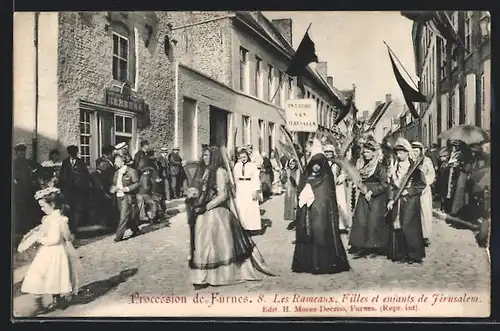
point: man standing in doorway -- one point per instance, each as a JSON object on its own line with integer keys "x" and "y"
{"x": 125, "y": 185}
{"x": 141, "y": 157}
{"x": 164, "y": 171}
{"x": 75, "y": 186}
{"x": 175, "y": 173}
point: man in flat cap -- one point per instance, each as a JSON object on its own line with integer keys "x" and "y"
{"x": 141, "y": 157}
{"x": 123, "y": 150}
{"x": 162, "y": 161}
{"x": 74, "y": 180}
{"x": 25, "y": 207}
{"x": 175, "y": 165}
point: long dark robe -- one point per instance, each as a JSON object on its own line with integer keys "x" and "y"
{"x": 319, "y": 248}
{"x": 101, "y": 202}
{"x": 370, "y": 230}
{"x": 291, "y": 194}
{"x": 408, "y": 241}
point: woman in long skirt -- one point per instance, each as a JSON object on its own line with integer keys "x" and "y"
{"x": 266, "y": 177}
{"x": 370, "y": 232}
{"x": 427, "y": 169}
{"x": 276, "y": 165}
{"x": 246, "y": 176}
{"x": 222, "y": 253}
{"x": 406, "y": 241}
{"x": 293, "y": 174}
{"x": 318, "y": 248}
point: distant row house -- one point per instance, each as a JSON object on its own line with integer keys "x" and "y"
{"x": 175, "y": 78}
{"x": 454, "y": 76}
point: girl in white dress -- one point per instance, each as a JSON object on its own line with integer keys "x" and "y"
{"x": 53, "y": 268}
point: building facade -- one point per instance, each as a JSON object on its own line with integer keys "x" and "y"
{"x": 95, "y": 79}
{"x": 92, "y": 79}
{"x": 455, "y": 79}
{"x": 231, "y": 71}
{"x": 385, "y": 119}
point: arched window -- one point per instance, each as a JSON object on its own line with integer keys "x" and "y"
{"x": 124, "y": 56}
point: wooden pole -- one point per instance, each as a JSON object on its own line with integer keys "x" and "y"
{"x": 402, "y": 66}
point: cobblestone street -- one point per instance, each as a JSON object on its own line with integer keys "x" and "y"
{"x": 156, "y": 263}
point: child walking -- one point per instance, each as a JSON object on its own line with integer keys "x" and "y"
{"x": 53, "y": 270}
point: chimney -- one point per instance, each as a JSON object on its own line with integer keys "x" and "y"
{"x": 321, "y": 68}
{"x": 388, "y": 97}
{"x": 329, "y": 80}
{"x": 284, "y": 26}
{"x": 378, "y": 103}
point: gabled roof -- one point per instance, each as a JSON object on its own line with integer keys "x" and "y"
{"x": 262, "y": 25}
{"x": 377, "y": 114}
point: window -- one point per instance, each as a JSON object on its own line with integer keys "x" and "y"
{"x": 243, "y": 69}
{"x": 258, "y": 77}
{"x": 281, "y": 95}
{"x": 247, "y": 133}
{"x": 85, "y": 136}
{"x": 468, "y": 30}
{"x": 123, "y": 129}
{"x": 291, "y": 95}
{"x": 483, "y": 93}
{"x": 121, "y": 55}
{"x": 443, "y": 59}
{"x": 270, "y": 82}
{"x": 261, "y": 136}
{"x": 272, "y": 136}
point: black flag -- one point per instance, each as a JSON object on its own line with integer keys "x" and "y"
{"x": 305, "y": 54}
{"x": 409, "y": 93}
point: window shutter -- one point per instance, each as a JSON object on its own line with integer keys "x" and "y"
{"x": 470, "y": 99}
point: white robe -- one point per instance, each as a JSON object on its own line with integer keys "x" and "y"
{"x": 426, "y": 198}
{"x": 246, "y": 185}
{"x": 342, "y": 203}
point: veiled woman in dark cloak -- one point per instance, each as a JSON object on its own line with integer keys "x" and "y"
{"x": 406, "y": 240}
{"x": 370, "y": 232}
{"x": 318, "y": 247}
{"x": 222, "y": 253}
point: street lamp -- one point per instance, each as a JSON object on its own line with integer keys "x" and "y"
{"x": 485, "y": 24}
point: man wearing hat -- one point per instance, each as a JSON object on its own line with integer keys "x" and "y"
{"x": 145, "y": 202}
{"x": 175, "y": 172}
{"x": 141, "y": 157}
{"x": 75, "y": 186}
{"x": 123, "y": 150}
{"x": 441, "y": 176}
{"x": 427, "y": 169}
{"x": 162, "y": 161}
{"x": 456, "y": 199}
{"x": 25, "y": 208}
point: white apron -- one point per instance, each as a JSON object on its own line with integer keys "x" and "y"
{"x": 426, "y": 198}
{"x": 247, "y": 183}
{"x": 342, "y": 203}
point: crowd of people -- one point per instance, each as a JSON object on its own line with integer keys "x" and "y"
{"x": 380, "y": 196}
{"x": 122, "y": 190}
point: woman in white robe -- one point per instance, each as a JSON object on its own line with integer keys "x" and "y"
{"x": 247, "y": 180}
{"x": 427, "y": 169}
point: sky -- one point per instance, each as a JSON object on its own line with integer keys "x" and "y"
{"x": 352, "y": 44}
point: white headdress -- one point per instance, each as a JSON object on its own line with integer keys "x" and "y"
{"x": 46, "y": 191}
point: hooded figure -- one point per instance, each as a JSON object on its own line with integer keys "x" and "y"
{"x": 406, "y": 241}
{"x": 370, "y": 233}
{"x": 318, "y": 247}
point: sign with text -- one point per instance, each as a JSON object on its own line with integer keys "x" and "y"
{"x": 301, "y": 115}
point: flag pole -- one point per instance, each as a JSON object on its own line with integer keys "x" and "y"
{"x": 390, "y": 50}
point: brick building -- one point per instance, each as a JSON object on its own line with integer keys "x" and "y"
{"x": 455, "y": 79}
{"x": 175, "y": 78}
{"x": 229, "y": 68}
{"x": 69, "y": 85}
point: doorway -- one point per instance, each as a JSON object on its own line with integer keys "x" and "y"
{"x": 189, "y": 129}
{"x": 218, "y": 126}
